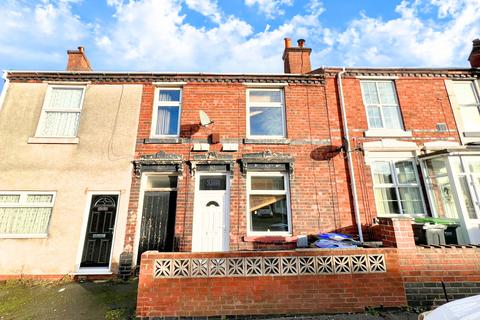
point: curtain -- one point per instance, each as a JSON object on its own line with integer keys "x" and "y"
{"x": 163, "y": 121}
{"x": 65, "y": 98}
{"x": 24, "y": 220}
{"x": 60, "y": 124}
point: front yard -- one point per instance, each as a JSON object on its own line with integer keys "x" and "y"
{"x": 67, "y": 300}
{"x": 112, "y": 300}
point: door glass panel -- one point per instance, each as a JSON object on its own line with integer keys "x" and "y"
{"x": 386, "y": 200}
{"x": 443, "y": 201}
{"x": 269, "y": 212}
{"x": 405, "y": 172}
{"x": 267, "y": 183}
{"x": 474, "y": 164}
{"x": 162, "y": 181}
{"x": 466, "y": 198}
{"x": 217, "y": 182}
{"x": 436, "y": 166}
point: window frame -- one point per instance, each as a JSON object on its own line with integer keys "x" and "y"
{"x": 281, "y": 105}
{"x": 286, "y": 191}
{"x": 46, "y": 109}
{"x": 396, "y": 185}
{"x": 476, "y": 94}
{"x": 380, "y": 106}
{"x": 157, "y": 104}
{"x": 23, "y": 204}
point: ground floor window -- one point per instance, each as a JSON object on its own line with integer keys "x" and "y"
{"x": 268, "y": 203}
{"x": 397, "y": 188}
{"x": 25, "y": 214}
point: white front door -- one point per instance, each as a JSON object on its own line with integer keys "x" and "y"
{"x": 210, "y": 217}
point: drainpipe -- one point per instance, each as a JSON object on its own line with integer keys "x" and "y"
{"x": 348, "y": 150}
{"x": 5, "y": 88}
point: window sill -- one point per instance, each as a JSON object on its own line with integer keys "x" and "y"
{"x": 387, "y": 133}
{"x": 471, "y": 134}
{"x": 270, "y": 239}
{"x": 161, "y": 140}
{"x": 266, "y": 141}
{"x": 24, "y": 236}
{"x": 52, "y": 140}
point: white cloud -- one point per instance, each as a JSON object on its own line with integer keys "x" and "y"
{"x": 411, "y": 40}
{"x": 271, "y": 8}
{"x": 154, "y": 35}
{"x": 206, "y": 7}
{"x": 37, "y": 33}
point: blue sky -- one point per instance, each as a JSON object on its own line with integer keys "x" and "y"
{"x": 235, "y": 35}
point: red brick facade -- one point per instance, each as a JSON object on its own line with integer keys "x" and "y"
{"x": 319, "y": 186}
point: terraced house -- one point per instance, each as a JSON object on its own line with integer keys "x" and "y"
{"x": 100, "y": 167}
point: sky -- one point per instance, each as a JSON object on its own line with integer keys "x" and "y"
{"x": 235, "y": 35}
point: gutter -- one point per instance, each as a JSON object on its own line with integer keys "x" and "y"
{"x": 5, "y": 88}
{"x": 348, "y": 150}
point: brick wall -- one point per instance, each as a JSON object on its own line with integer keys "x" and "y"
{"x": 188, "y": 296}
{"x": 319, "y": 194}
{"x": 427, "y": 270}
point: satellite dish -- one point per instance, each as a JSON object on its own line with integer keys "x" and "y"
{"x": 204, "y": 119}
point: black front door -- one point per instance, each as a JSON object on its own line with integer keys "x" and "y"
{"x": 99, "y": 235}
{"x": 158, "y": 221}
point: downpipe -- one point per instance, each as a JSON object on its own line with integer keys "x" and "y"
{"x": 348, "y": 151}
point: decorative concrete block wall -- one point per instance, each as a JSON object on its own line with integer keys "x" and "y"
{"x": 268, "y": 282}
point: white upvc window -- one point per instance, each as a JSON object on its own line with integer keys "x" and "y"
{"x": 468, "y": 101}
{"x": 167, "y": 108}
{"x": 25, "y": 214}
{"x": 397, "y": 187}
{"x": 266, "y": 113}
{"x": 61, "y": 112}
{"x": 381, "y": 104}
{"x": 268, "y": 203}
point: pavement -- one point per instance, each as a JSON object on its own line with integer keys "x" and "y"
{"x": 112, "y": 300}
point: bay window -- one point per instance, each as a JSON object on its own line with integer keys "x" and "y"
{"x": 397, "y": 188}
{"x": 268, "y": 203}
{"x": 25, "y": 214}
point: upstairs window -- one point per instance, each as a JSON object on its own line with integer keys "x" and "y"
{"x": 381, "y": 103}
{"x": 266, "y": 113}
{"x": 397, "y": 188}
{"x": 469, "y": 103}
{"x": 166, "y": 112}
{"x": 61, "y": 112}
{"x": 25, "y": 214}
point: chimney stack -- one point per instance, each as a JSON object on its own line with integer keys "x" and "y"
{"x": 474, "y": 57}
{"x": 77, "y": 60}
{"x": 296, "y": 59}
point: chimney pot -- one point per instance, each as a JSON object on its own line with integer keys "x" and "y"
{"x": 301, "y": 43}
{"x": 288, "y": 43}
{"x": 474, "y": 57}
